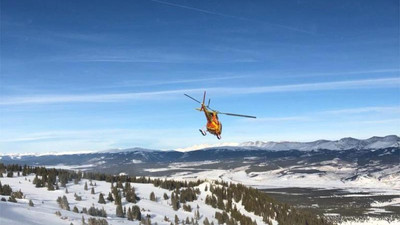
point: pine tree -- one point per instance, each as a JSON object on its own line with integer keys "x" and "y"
{"x": 119, "y": 184}
{"x": 206, "y": 222}
{"x": 75, "y": 210}
{"x": 12, "y": 199}
{"x": 65, "y": 203}
{"x": 77, "y": 197}
{"x": 6, "y": 190}
{"x": 101, "y": 199}
{"x": 50, "y": 186}
{"x": 117, "y": 199}
{"x": 119, "y": 211}
{"x": 148, "y": 220}
{"x": 92, "y": 192}
{"x": 174, "y": 202}
{"x": 103, "y": 212}
{"x": 31, "y": 203}
{"x": 86, "y": 188}
{"x": 187, "y": 208}
{"x": 166, "y": 196}
{"x": 129, "y": 215}
{"x": 18, "y": 194}
{"x": 197, "y": 214}
{"x": 66, "y": 190}
{"x": 83, "y": 221}
{"x": 176, "y": 219}
{"x": 137, "y": 215}
{"x": 110, "y": 197}
{"x": 152, "y": 196}
{"x": 130, "y": 194}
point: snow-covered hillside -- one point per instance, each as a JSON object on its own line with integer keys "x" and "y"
{"x": 45, "y": 204}
{"x": 159, "y": 210}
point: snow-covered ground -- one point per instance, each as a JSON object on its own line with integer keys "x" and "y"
{"x": 331, "y": 178}
{"x": 70, "y": 167}
{"x": 284, "y": 178}
{"x": 45, "y": 204}
{"x": 371, "y": 221}
{"x": 182, "y": 166}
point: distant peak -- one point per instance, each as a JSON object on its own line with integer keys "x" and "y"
{"x": 341, "y": 144}
{"x": 122, "y": 150}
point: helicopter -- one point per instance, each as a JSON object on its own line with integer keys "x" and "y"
{"x": 214, "y": 126}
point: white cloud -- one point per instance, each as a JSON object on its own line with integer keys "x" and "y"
{"x": 178, "y": 81}
{"x": 389, "y": 109}
{"x": 335, "y": 85}
{"x": 374, "y": 71}
{"x": 49, "y": 99}
{"x": 279, "y": 119}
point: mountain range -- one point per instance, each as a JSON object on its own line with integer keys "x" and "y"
{"x": 348, "y": 164}
{"x": 362, "y": 156}
{"x": 342, "y": 144}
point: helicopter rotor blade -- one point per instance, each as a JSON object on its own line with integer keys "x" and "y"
{"x": 233, "y": 114}
{"x": 211, "y": 109}
{"x": 192, "y": 98}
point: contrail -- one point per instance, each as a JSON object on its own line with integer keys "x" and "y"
{"x": 233, "y": 17}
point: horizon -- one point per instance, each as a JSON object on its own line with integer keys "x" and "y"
{"x": 79, "y": 76}
{"x": 182, "y": 149}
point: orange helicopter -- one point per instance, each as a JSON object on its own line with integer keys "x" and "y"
{"x": 213, "y": 125}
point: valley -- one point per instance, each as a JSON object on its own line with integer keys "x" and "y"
{"x": 351, "y": 184}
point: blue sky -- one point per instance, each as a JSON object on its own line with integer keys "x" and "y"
{"x": 95, "y": 75}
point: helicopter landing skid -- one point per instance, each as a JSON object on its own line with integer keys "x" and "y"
{"x": 202, "y": 132}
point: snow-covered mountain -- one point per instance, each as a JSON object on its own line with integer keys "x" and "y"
{"x": 384, "y": 150}
{"x": 122, "y": 150}
{"x": 342, "y": 144}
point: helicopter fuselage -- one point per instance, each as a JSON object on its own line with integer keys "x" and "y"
{"x": 214, "y": 126}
